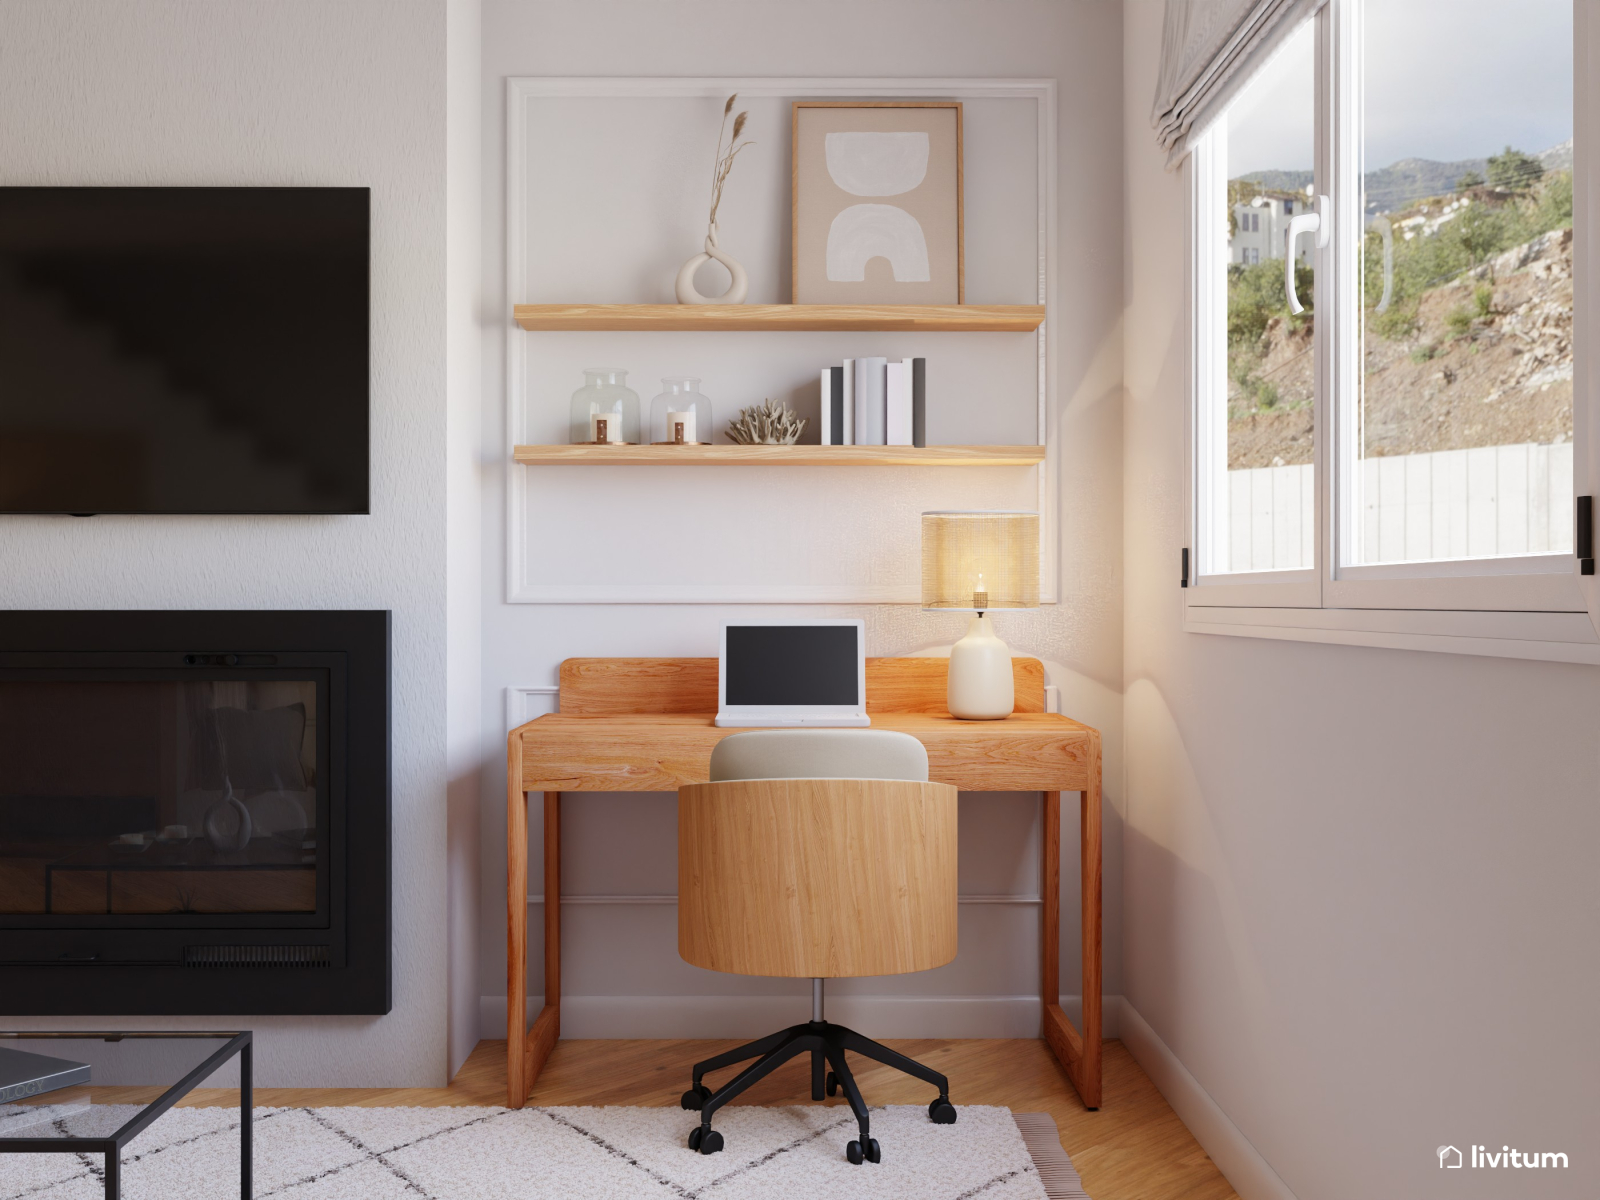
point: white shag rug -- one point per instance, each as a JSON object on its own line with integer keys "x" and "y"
{"x": 562, "y": 1153}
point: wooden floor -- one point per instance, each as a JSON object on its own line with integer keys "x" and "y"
{"x": 1133, "y": 1148}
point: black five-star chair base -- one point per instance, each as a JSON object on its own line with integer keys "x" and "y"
{"x": 827, "y": 1045}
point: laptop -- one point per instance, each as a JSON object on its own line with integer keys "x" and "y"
{"x": 792, "y": 673}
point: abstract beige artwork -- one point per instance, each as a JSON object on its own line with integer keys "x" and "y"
{"x": 877, "y": 202}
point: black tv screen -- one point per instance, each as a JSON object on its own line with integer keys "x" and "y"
{"x": 183, "y": 350}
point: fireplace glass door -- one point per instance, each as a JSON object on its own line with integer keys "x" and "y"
{"x": 139, "y": 800}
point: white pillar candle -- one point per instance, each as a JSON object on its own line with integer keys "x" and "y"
{"x": 686, "y": 419}
{"x": 613, "y": 424}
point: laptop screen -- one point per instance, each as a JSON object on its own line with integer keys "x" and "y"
{"x": 792, "y": 665}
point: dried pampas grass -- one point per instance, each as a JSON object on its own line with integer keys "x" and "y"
{"x": 724, "y": 161}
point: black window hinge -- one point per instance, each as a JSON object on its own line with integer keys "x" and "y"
{"x": 1583, "y": 535}
{"x": 1184, "y": 580}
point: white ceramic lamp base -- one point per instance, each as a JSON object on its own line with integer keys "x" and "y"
{"x": 981, "y": 684}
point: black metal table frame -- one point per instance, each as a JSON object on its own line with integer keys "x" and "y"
{"x": 238, "y": 1043}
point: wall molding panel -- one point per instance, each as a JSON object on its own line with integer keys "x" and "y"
{"x": 548, "y": 559}
{"x": 524, "y": 703}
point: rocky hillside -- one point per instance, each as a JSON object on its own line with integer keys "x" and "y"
{"x": 1489, "y": 363}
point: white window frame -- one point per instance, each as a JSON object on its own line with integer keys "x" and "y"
{"x": 1535, "y": 606}
{"x": 1206, "y": 169}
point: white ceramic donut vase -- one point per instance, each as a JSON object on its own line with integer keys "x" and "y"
{"x": 685, "y": 283}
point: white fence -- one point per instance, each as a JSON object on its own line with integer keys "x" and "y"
{"x": 1271, "y": 518}
{"x": 1495, "y": 500}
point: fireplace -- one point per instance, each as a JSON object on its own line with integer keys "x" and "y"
{"x": 194, "y": 812}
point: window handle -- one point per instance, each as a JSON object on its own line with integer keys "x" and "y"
{"x": 1386, "y": 231}
{"x": 1312, "y": 222}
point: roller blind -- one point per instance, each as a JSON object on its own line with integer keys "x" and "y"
{"x": 1209, "y": 50}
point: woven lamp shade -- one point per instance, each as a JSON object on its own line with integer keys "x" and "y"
{"x": 977, "y": 561}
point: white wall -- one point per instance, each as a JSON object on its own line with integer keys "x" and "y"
{"x": 621, "y": 971}
{"x": 1359, "y": 885}
{"x": 292, "y": 92}
{"x": 464, "y": 652}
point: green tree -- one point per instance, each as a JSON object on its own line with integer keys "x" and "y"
{"x": 1255, "y": 296}
{"x": 1552, "y": 203}
{"x": 1514, "y": 170}
{"x": 1478, "y": 232}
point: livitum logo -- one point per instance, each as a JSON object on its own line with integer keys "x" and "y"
{"x": 1481, "y": 1156}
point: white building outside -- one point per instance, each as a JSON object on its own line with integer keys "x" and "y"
{"x": 1263, "y": 223}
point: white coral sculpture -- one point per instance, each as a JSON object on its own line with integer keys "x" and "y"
{"x": 766, "y": 424}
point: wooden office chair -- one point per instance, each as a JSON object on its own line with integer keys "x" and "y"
{"x": 816, "y": 853}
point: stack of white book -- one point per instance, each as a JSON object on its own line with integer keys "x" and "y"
{"x": 875, "y": 402}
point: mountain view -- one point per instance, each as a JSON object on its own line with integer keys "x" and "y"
{"x": 1407, "y": 181}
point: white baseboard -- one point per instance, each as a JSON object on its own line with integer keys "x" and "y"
{"x": 1250, "y": 1174}
{"x": 752, "y": 1016}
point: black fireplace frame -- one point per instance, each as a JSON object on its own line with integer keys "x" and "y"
{"x": 336, "y": 963}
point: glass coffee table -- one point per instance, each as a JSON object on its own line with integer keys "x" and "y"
{"x": 62, "y": 1121}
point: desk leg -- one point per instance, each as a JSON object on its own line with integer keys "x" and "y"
{"x": 1079, "y": 1053}
{"x": 516, "y": 926}
{"x": 1050, "y": 907}
{"x": 527, "y": 1047}
{"x": 547, "y": 1027}
{"x": 1089, "y": 874}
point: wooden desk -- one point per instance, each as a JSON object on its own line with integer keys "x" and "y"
{"x": 645, "y": 725}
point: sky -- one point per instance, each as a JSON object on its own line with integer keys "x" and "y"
{"x": 1445, "y": 79}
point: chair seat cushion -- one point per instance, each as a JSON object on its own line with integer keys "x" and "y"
{"x": 819, "y": 754}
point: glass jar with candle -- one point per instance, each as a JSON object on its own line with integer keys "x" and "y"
{"x": 605, "y": 408}
{"x": 681, "y": 414}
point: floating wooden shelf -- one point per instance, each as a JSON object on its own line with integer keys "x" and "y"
{"x": 677, "y": 318}
{"x": 788, "y": 456}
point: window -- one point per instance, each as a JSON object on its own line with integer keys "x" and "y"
{"x": 1255, "y": 420}
{"x": 1460, "y": 416}
{"x": 1406, "y": 440}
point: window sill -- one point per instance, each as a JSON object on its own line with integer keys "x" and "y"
{"x": 1546, "y": 636}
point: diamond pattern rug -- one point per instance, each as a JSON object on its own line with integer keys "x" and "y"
{"x": 567, "y": 1153}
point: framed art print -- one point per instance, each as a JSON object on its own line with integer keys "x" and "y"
{"x": 877, "y": 202}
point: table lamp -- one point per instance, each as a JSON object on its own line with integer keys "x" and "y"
{"x": 976, "y": 562}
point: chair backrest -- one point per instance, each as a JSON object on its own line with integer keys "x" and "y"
{"x": 819, "y": 754}
{"x": 809, "y": 878}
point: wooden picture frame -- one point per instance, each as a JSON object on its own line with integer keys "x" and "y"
{"x": 818, "y": 201}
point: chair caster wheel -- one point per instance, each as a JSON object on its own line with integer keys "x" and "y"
{"x": 833, "y": 1084}
{"x": 706, "y": 1141}
{"x": 695, "y": 1097}
{"x": 857, "y": 1155}
{"x": 942, "y": 1112}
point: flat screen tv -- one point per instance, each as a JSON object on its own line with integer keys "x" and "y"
{"x": 183, "y": 350}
